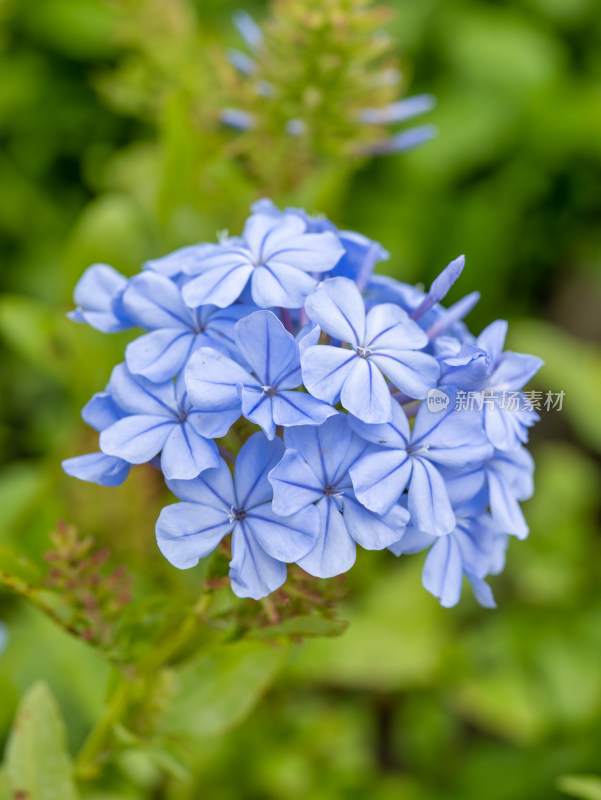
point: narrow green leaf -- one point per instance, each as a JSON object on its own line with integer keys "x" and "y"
{"x": 584, "y": 787}
{"x": 38, "y": 765}
{"x": 216, "y": 691}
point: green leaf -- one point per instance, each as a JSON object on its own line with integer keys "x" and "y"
{"x": 38, "y": 765}
{"x": 303, "y": 625}
{"x": 15, "y": 570}
{"x": 585, "y": 787}
{"x": 36, "y": 333}
{"x": 572, "y": 365}
{"x": 216, "y": 691}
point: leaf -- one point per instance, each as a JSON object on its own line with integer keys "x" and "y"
{"x": 35, "y": 333}
{"x": 38, "y": 765}
{"x": 585, "y": 787}
{"x": 303, "y": 625}
{"x": 571, "y": 365}
{"x": 16, "y": 570}
{"x": 217, "y": 691}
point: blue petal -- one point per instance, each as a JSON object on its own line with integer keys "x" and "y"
{"x": 213, "y": 487}
{"x": 95, "y": 294}
{"x": 187, "y": 532}
{"x": 504, "y": 507}
{"x": 482, "y": 591}
{"x": 295, "y": 484}
{"x": 137, "y": 438}
{"x": 186, "y": 454}
{"x": 325, "y": 447}
{"x": 335, "y": 550}
{"x": 514, "y": 370}
{"x": 221, "y": 285}
{"x": 257, "y": 407}
{"x": 212, "y": 379}
{"x": 412, "y": 541}
{"x": 154, "y": 301}
{"x": 97, "y": 468}
{"x": 372, "y": 531}
{"x": 212, "y": 424}
{"x": 309, "y": 252}
{"x": 389, "y": 434}
{"x": 101, "y": 411}
{"x": 284, "y": 538}
{"x": 325, "y": 369}
{"x": 366, "y": 394}
{"x": 159, "y": 355}
{"x": 184, "y": 259}
{"x": 429, "y": 504}
{"x": 379, "y": 478}
{"x": 253, "y": 573}
{"x": 443, "y": 571}
{"x": 388, "y": 327}
{"x": 338, "y": 308}
{"x": 492, "y": 339}
{"x": 411, "y": 371}
{"x": 266, "y": 345}
{"x": 278, "y": 284}
{"x": 137, "y": 395}
{"x": 255, "y": 460}
{"x": 249, "y": 30}
{"x": 299, "y": 408}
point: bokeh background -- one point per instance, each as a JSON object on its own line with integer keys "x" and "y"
{"x": 105, "y": 157}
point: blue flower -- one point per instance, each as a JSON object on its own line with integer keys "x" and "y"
{"x": 277, "y": 256}
{"x": 474, "y": 548}
{"x": 506, "y": 478}
{"x": 99, "y": 413}
{"x": 98, "y": 295}
{"x": 483, "y": 366}
{"x": 402, "y": 458}
{"x": 214, "y": 505}
{"x": 315, "y": 470}
{"x": 161, "y": 419}
{"x": 383, "y": 343}
{"x": 154, "y": 302}
{"x": 360, "y": 253}
{"x": 217, "y": 383}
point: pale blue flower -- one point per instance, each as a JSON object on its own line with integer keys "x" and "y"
{"x": 267, "y": 397}
{"x": 99, "y": 413}
{"x": 161, "y": 419}
{"x": 402, "y": 458}
{"x": 154, "y": 302}
{"x": 383, "y": 344}
{"x": 315, "y": 470}
{"x": 277, "y": 257}
{"x": 97, "y": 296}
{"x": 214, "y": 505}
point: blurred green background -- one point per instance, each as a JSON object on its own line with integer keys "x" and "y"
{"x": 106, "y": 155}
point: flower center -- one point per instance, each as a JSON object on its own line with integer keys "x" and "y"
{"x": 331, "y": 491}
{"x": 270, "y": 391}
{"x": 363, "y": 352}
{"x": 237, "y": 514}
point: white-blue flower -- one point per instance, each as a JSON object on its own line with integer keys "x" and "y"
{"x": 277, "y": 256}
{"x": 161, "y": 419}
{"x": 215, "y": 505}
{"x": 154, "y": 302}
{"x": 268, "y": 398}
{"x": 315, "y": 470}
{"x": 402, "y": 458}
{"x": 385, "y": 343}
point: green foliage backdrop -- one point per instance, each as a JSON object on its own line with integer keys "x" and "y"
{"x": 110, "y": 151}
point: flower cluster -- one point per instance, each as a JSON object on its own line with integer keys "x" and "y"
{"x": 293, "y": 70}
{"x": 282, "y": 353}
